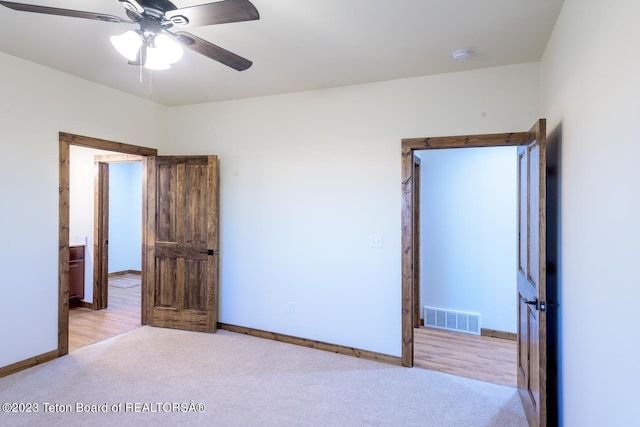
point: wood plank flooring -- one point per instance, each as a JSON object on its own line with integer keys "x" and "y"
{"x": 483, "y": 358}
{"x": 87, "y": 326}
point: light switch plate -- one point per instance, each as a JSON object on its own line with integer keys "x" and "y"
{"x": 375, "y": 241}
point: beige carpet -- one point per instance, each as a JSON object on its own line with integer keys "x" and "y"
{"x": 156, "y": 377}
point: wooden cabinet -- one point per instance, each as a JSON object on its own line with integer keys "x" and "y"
{"x": 76, "y": 272}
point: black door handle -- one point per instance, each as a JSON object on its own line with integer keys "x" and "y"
{"x": 539, "y": 305}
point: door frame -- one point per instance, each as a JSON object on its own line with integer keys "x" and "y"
{"x": 409, "y": 232}
{"x": 416, "y": 241}
{"x": 66, "y": 140}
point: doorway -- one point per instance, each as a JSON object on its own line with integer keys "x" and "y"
{"x": 409, "y": 146}
{"x": 531, "y": 267}
{"x": 118, "y": 175}
{"x": 466, "y": 284}
{"x": 65, "y": 142}
{"x": 112, "y": 229}
{"x": 179, "y": 242}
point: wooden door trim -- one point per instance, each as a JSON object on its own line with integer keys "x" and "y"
{"x": 213, "y": 181}
{"x": 408, "y": 146}
{"x": 149, "y": 241}
{"x": 65, "y": 141}
{"x": 119, "y": 158}
{"x": 416, "y": 241}
{"x": 100, "y": 235}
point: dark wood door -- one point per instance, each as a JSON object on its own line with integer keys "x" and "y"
{"x": 181, "y": 241}
{"x": 531, "y": 276}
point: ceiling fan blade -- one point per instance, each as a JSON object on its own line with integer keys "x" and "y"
{"x": 221, "y": 12}
{"x": 212, "y": 51}
{"x": 133, "y": 6}
{"x": 61, "y": 12}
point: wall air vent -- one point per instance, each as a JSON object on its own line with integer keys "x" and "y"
{"x": 452, "y": 320}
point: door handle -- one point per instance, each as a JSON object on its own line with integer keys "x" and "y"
{"x": 539, "y": 305}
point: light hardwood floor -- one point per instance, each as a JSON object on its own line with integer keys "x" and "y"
{"x": 87, "y": 326}
{"x": 483, "y": 358}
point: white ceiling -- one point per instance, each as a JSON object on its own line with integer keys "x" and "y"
{"x": 296, "y": 45}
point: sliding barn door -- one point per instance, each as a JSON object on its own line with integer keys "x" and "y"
{"x": 181, "y": 248}
{"x": 532, "y": 328}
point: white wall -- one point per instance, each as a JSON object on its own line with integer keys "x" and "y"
{"x": 125, "y": 216}
{"x": 468, "y": 233}
{"x": 81, "y": 206}
{"x": 37, "y": 103}
{"x": 306, "y": 178}
{"x": 591, "y": 97}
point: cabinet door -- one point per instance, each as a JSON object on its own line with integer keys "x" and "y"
{"x": 76, "y": 273}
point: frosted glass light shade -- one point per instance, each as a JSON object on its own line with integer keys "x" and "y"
{"x": 161, "y": 51}
{"x": 170, "y": 51}
{"x": 155, "y": 59}
{"x": 127, "y": 44}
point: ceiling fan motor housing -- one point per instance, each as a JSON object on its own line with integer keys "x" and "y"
{"x": 152, "y": 8}
{"x": 151, "y": 26}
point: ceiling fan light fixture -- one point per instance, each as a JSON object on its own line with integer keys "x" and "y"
{"x": 157, "y": 17}
{"x": 127, "y": 44}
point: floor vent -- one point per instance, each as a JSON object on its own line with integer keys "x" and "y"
{"x": 452, "y": 320}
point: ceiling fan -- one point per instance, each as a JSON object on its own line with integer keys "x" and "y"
{"x": 154, "y": 44}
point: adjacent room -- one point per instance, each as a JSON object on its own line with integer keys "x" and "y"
{"x": 117, "y": 310}
{"x": 467, "y": 258}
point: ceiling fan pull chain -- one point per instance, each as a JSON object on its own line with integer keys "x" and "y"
{"x": 150, "y": 88}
